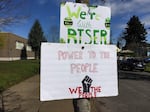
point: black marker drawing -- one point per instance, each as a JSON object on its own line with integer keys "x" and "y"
{"x": 86, "y": 83}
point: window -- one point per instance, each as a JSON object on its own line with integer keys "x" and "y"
{"x": 29, "y": 48}
{"x": 19, "y": 45}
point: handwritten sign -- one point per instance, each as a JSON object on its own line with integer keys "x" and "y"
{"x": 82, "y": 24}
{"x": 77, "y": 71}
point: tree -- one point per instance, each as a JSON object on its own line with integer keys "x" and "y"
{"x": 135, "y": 35}
{"x": 10, "y": 12}
{"x": 121, "y": 42}
{"x": 53, "y": 34}
{"x": 23, "y": 54}
{"x": 36, "y": 36}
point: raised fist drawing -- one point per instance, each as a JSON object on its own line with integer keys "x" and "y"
{"x": 86, "y": 83}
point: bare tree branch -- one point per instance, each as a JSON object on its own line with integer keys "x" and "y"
{"x": 10, "y": 12}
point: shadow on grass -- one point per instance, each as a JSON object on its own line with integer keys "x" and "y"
{"x": 134, "y": 75}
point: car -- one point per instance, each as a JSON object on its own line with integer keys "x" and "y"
{"x": 132, "y": 64}
{"x": 147, "y": 60}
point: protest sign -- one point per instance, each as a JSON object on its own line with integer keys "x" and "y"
{"x": 82, "y": 24}
{"x": 77, "y": 71}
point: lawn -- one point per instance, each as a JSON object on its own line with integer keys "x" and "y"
{"x": 15, "y": 71}
{"x": 147, "y": 68}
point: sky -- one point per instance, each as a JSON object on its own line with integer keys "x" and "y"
{"x": 48, "y": 14}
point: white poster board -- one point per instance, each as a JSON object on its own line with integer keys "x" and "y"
{"x": 77, "y": 71}
{"x": 82, "y": 24}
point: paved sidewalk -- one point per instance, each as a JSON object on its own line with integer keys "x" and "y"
{"x": 24, "y": 97}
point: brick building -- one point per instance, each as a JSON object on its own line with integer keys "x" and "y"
{"x": 14, "y": 47}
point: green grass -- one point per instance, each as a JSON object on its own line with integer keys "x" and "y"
{"x": 147, "y": 69}
{"x": 16, "y": 71}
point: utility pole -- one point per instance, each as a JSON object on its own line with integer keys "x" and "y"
{"x": 82, "y": 1}
{"x": 82, "y": 105}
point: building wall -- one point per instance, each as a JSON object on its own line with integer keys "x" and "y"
{"x": 11, "y": 47}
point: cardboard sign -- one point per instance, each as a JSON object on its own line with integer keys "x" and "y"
{"x": 81, "y": 24}
{"x": 78, "y": 71}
